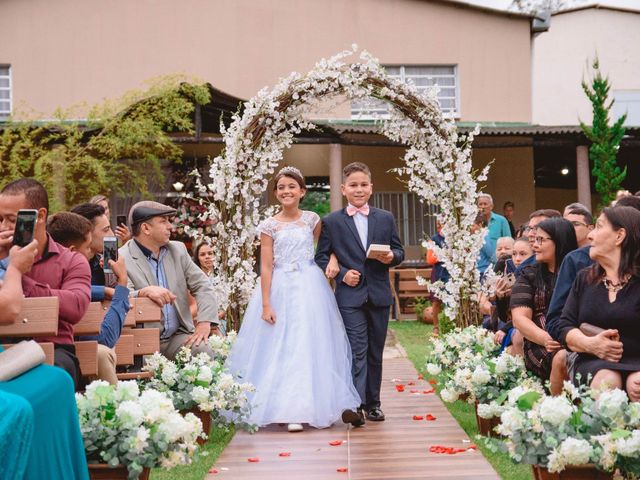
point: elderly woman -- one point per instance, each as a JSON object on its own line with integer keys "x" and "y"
{"x": 531, "y": 295}
{"x": 607, "y": 295}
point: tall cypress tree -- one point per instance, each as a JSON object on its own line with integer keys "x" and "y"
{"x": 605, "y": 139}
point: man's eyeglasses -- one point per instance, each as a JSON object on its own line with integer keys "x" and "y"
{"x": 577, "y": 223}
{"x": 540, "y": 240}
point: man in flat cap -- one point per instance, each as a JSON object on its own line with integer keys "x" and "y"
{"x": 163, "y": 271}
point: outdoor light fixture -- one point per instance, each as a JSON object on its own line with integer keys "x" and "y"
{"x": 564, "y": 171}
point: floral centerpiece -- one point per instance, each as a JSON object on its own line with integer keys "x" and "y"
{"x": 121, "y": 426}
{"x": 578, "y": 429}
{"x": 199, "y": 382}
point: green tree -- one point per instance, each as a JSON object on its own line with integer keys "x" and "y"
{"x": 605, "y": 139}
{"x": 117, "y": 149}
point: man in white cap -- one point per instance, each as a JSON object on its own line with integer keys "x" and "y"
{"x": 163, "y": 271}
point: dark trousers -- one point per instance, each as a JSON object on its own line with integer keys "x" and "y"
{"x": 64, "y": 356}
{"x": 366, "y": 328}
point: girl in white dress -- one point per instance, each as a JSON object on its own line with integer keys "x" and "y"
{"x": 292, "y": 344}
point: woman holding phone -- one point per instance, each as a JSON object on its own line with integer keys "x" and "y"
{"x": 607, "y": 296}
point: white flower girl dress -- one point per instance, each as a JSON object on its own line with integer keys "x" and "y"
{"x": 301, "y": 365}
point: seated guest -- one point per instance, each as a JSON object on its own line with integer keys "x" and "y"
{"x": 39, "y": 428}
{"x": 530, "y": 231}
{"x": 606, "y": 295}
{"x": 57, "y": 271}
{"x": 507, "y": 336}
{"x": 203, "y": 258}
{"x": 530, "y": 299}
{"x": 74, "y": 232}
{"x": 163, "y": 271}
{"x": 504, "y": 246}
{"x": 582, "y": 221}
{"x": 122, "y": 231}
{"x": 100, "y": 288}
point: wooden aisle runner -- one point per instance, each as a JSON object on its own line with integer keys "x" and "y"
{"x": 397, "y": 448}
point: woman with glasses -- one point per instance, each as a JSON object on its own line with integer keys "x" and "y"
{"x": 607, "y": 296}
{"x": 530, "y": 297}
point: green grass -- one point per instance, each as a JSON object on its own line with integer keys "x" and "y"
{"x": 198, "y": 470}
{"x": 414, "y": 337}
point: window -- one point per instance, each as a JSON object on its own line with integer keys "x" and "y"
{"x": 5, "y": 91}
{"x": 627, "y": 101}
{"x": 423, "y": 77}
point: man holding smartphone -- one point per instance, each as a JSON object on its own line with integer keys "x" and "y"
{"x": 56, "y": 272}
{"x": 163, "y": 271}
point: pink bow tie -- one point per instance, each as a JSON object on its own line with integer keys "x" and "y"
{"x": 364, "y": 210}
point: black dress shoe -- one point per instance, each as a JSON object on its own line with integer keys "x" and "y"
{"x": 354, "y": 417}
{"x": 375, "y": 415}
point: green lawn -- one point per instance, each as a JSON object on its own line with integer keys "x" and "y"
{"x": 414, "y": 337}
{"x": 198, "y": 470}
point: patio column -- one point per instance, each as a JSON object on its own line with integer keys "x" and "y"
{"x": 335, "y": 176}
{"x": 583, "y": 175}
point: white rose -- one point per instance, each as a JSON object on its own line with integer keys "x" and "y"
{"x": 130, "y": 414}
{"x": 511, "y": 421}
{"x": 556, "y": 410}
{"x": 629, "y": 447}
{"x": 485, "y": 410}
{"x": 448, "y": 396}
{"x": 480, "y": 376}
{"x": 612, "y": 403}
{"x": 433, "y": 369}
{"x": 575, "y": 451}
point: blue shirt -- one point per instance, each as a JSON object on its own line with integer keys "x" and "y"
{"x": 113, "y": 322}
{"x": 170, "y": 315}
{"x": 487, "y": 254}
{"x": 4, "y": 264}
{"x": 498, "y": 227}
{"x": 571, "y": 265}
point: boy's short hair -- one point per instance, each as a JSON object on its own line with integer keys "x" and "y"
{"x": 353, "y": 168}
{"x": 586, "y": 214}
{"x": 69, "y": 228}
{"x": 90, "y": 211}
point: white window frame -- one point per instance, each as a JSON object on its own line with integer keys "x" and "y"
{"x": 5, "y": 114}
{"x": 456, "y": 114}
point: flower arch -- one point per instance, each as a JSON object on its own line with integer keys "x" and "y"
{"x": 437, "y": 166}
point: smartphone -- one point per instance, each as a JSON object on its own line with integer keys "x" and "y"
{"x": 109, "y": 252}
{"x": 25, "y": 227}
{"x": 121, "y": 220}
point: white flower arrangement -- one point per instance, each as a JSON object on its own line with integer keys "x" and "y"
{"x": 437, "y": 163}
{"x": 121, "y": 426}
{"x": 221, "y": 346}
{"x": 197, "y": 381}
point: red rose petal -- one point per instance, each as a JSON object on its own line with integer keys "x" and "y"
{"x": 426, "y": 392}
{"x": 335, "y": 443}
{"x": 448, "y": 450}
{"x": 432, "y": 381}
{"x": 410, "y": 383}
{"x": 342, "y": 469}
{"x": 253, "y": 460}
{"x": 420, "y": 377}
{"x": 284, "y": 454}
{"x": 400, "y": 388}
{"x": 418, "y": 417}
{"x": 429, "y": 417}
{"x": 213, "y": 471}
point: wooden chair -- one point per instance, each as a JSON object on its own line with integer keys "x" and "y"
{"x": 38, "y": 318}
{"x": 406, "y": 289}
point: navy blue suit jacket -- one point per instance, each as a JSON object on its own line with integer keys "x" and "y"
{"x": 340, "y": 236}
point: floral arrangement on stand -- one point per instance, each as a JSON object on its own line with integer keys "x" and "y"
{"x": 579, "y": 428}
{"x": 198, "y": 382}
{"x": 437, "y": 163}
{"x": 121, "y": 426}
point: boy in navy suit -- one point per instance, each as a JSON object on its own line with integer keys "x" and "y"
{"x": 363, "y": 292}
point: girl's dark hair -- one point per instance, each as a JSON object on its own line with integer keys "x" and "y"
{"x": 292, "y": 173}
{"x": 629, "y": 219}
{"x": 563, "y": 235}
{"x": 196, "y": 253}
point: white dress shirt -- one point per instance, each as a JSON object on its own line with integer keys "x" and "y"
{"x": 362, "y": 225}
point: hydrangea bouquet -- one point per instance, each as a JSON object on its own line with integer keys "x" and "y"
{"x": 121, "y": 426}
{"x": 197, "y": 381}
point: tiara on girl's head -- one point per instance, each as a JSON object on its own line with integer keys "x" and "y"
{"x": 294, "y": 170}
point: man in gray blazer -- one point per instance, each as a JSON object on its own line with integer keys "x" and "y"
{"x": 163, "y": 271}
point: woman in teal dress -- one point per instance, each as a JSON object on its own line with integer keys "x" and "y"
{"x": 39, "y": 428}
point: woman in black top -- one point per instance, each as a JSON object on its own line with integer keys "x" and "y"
{"x": 607, "y": 295}
{"x": 531, "y": 295}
